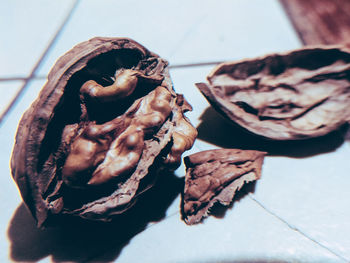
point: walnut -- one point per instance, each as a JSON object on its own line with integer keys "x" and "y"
{"x": 296, "y": 95}
{"x": 215, "y": 176}
{"x": 105, "y": 122}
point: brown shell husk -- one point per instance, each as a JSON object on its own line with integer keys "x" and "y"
{"x": 38, "y": 154}
{"x": 299, "y": 94}
{"x": 215, "y": 176}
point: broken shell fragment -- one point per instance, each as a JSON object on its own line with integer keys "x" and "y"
{"x": 296, "y": 95}
{"x": 215, "y": 176}
{"x": 102, "y": 126}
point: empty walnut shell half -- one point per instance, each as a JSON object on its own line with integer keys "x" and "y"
{"x": 296, "y": 95}
{"x": 103, "y": 125}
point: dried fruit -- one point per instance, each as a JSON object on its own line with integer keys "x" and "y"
{"x": 103, "y": 125}
{"x": 215, "y": 176}
{"x": 296, "y": 95}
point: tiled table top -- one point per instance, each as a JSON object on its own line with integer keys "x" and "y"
{"x": 297, "y": 212}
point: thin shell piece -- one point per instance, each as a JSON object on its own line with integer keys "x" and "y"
{"x": 300, "y": 94}
{"x": 215, "y": 176}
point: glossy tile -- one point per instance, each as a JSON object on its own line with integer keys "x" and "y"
{"x": 312, "y": 192}
{"x": 8, "y": 91}
{"x": 234, "y": 30}
{"x": 245, "y": 233}
{"x": 182, "y": 31}
{"x": 26, "y": 29}
{"x": 184, "y": 80}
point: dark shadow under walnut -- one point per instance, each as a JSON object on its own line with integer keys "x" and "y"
{"x": 296, "y": 95}
{"x": 77, "y": 240}
{"x": 229, "y": 135}
{"x": 103, "y": 125}
{"x": 214, "y": 176}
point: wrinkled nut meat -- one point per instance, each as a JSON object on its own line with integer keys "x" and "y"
{"x": 215, "y": 176}
{"x": 103, "y": 125}
{"x": 301, "y": 94}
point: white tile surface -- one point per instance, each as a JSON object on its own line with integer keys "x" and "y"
{"x": 312, "y": 194}
{"x": 26, "y": 28}
{"x": 246, "y": 234}
{"x": 8, "y": 90}
{"x": 183, "y": 31}
{"x": 184, "y": 80}
{"x": 231, "y": 30}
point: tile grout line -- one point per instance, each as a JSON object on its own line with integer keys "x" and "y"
{"x": 18, "y": 78}
{"x": 36, "y": 66}
{"x": 198, "y": 64}
{"x": 251, "y": 196}
{"x": 21, "y": 78}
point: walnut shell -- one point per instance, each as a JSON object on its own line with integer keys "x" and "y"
{"x": 104, "y": 123}
{"x": 300, "y": 94}
{"x": 215, "y": 176}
